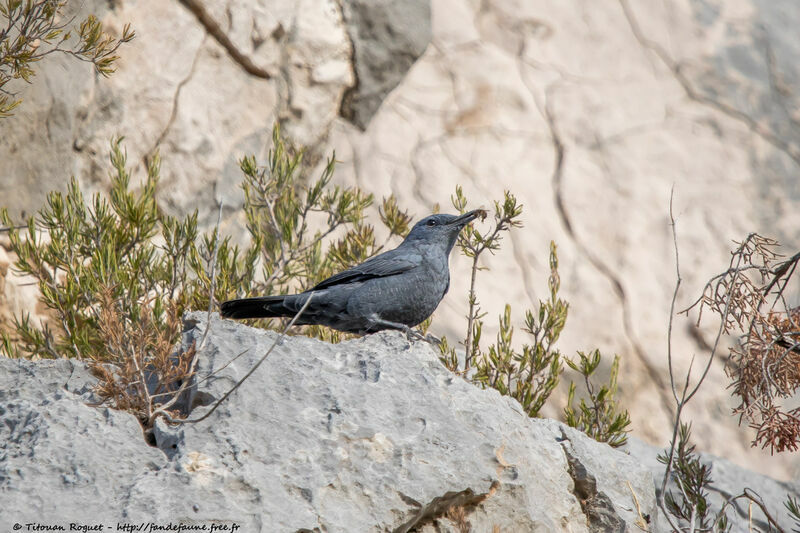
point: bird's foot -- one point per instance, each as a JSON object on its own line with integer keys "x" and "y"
{"x": 416, "y": 335}
{"x": 411, "y": 334}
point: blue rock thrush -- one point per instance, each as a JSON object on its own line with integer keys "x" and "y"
{"x": 397, "y": 289}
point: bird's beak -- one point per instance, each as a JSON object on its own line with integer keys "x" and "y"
{"x": 466, "y": 218}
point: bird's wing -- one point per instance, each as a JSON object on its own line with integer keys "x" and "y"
{"x": 385, "y": 264}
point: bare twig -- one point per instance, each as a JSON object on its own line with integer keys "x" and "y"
{"x": 678, "y": 281}
{"x": 6, "y": 229}
{"x": 475, "y": 247}
{"x": 786, "y": 268}
{"x": 676, "y": 424}
{"x": 753, "y": 498}
{"x": 209, "y": 376}
{"x": 686, "y": 394}
{"x": 213, "y": 278}
{"x": 472, "y": 314}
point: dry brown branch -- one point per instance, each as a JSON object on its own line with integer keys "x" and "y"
{"x": 164, "y": 409}
{"x": 458, "y": 516}
{"x": 753, "y": 499}
{"x": 214, "y": 29}
{"x": 139, "y": 363}
{"x": 749, "y": 298}
{"x": 765, "y": 366}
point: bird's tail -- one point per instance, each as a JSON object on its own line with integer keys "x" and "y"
{"x": 261, "y": 307}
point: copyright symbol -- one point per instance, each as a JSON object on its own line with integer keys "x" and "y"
{"x": 17, "y": 527}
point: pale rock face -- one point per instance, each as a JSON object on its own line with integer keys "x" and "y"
{"x": 590, "y": 114}
{"x": 178, "y": 91}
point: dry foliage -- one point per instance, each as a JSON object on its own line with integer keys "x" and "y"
{"x": 458, "y": 516}
{"x": 767, "y": 372}
{"x": 751, "y": 297}
{"x": 140, "y": 371}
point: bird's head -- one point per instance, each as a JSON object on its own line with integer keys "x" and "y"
{"x": 441, "y": 229}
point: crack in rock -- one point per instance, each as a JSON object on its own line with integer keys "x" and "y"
{"x": 175, "y": 101}
{"x": 557, "y": 180}
{"x": 439, "y": 506}
{"x": 596, "y": 505}
{"x": 527, "y": 281}
{"x": 675, "y": 68}
{"x": 467, "y": 170}
{"x": 284, "y": 85}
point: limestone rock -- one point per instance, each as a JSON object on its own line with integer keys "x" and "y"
{"x": 60, "y": 459}
{"x": 368, "y": 435}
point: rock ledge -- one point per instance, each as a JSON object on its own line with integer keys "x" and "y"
{"x": 368, "y": 435}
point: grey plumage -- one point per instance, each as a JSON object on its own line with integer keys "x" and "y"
{"x": 397, "y": 289}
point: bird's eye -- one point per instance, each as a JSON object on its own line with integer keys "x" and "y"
{"x": 431, "y": 222}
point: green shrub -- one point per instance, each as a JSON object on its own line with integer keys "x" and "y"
{"x": 115, "y": 295}
{"x": 690, "y": 503}
{"x": 600, "y": 417}
{"x": 78, "y": 250}
{"x": 31, "y": 30}
{"x": 532, "y": 373}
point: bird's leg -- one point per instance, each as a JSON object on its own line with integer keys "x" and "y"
{"x": 410, "y": 333}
